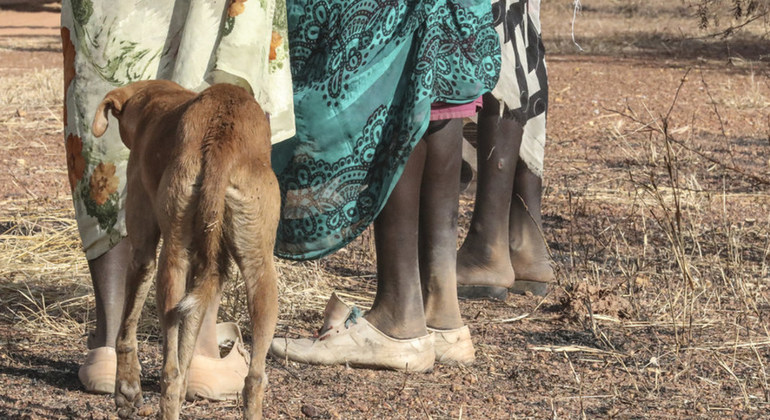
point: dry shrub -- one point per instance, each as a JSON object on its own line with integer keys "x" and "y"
{"x": 584, "y": 300}
{"x": 707, "y": 251}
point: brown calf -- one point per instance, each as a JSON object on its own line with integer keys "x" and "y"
{"x": 199, "y": 176}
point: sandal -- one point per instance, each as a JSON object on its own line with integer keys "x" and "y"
{"x": 347, "y": 338}
{"x": 219, "y": 379}
{"x": 97, "y": 373}
{"x": 453, "y": 347}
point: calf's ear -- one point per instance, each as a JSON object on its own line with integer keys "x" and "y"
{"x": 112, "y": 101}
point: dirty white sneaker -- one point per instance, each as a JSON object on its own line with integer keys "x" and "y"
{"x": 97, "y": 374}
{"x": 219, "y": 379}
{"x": 348, "y": 338}
{"x": 453, "y": 347}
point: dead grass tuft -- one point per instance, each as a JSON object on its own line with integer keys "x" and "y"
{"x": 46, "y": 288}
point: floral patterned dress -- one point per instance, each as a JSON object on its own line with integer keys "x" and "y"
{"x": 108, "y": 44}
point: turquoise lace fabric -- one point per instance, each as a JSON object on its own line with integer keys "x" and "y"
{"x": 365, "y": 73}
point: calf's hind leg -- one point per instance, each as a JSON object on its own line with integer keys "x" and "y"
{"x": 252, "y": 236}
{"x": 262, "y": 295}
{"x": 128, "y": 390}
{"x": 192, "y": 313}
{"x": 172, "y": 276}
{"x": 143, "y": 236}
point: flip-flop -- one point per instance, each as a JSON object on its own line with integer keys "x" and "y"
{"x": 347, "y": 338}
{"x": 219, "y": 379}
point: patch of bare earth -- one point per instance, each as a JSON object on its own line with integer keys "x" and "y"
{"x": 656, "y": 209}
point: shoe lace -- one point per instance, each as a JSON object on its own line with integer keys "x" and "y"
{"x": 355, "y": 313}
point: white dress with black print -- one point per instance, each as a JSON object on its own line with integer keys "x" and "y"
{"x": 523, "y": 83}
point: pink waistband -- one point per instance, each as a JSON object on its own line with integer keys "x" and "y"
{"x": 445, "y": 111}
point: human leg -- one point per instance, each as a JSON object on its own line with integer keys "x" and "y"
{"x": 523, "y": 88}
{"x": 398, "y": 308}
{"x": 438, "y": 192}
{"x": 108, "y": 278}
{"x": 505, "y": 239}
{"x": 484, "y": 268}
{"x": 438, "y": 224}
{"x": 438, "y": 244}
{"x": 393, "y": 333}
{"x": 529, "y": 253}
{"x": 416, "y": 239}
{"x": 97, "y": 374}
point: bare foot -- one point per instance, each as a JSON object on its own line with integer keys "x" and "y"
{"x": 533, "y": 267}
{"x": 528, "y": 250}
{"x": 483, "y": 272}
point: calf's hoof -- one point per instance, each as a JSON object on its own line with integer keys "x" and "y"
{"x": 128, "y": 398}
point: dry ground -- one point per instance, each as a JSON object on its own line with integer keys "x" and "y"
{"x": 656, "y": 208}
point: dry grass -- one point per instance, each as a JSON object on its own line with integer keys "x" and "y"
{"x": 45, "y": 287}
{"x": 45, "y": 280}
{"x": 674, "y": 242}
{"x": 651, "y": 28}
{"x": 31, "y": 101}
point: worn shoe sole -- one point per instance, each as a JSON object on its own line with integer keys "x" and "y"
{"x": 481, "y": 292}
{"x": 537, "y": 288}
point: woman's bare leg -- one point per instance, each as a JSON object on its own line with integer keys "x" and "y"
{"x": 108, "y": 276}
{"x": 438, "y": 226}
{"x": 529, "y": 254}
{"x": 397, "y": 310}
{"x": 484, "y": 268}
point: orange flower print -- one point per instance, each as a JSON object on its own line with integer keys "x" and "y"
{"x": 103, "y": 182}
{"x": 275, "y": 42}
{"x": 68, "y": 48}
{"x": 236, "y": 8}
{"x": 76, "y": 164}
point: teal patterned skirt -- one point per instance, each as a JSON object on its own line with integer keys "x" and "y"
{"x": 365, "y": 73}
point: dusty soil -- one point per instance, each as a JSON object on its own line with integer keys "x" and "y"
{"x": 656, "y": 204}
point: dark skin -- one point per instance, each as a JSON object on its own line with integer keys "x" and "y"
{"x": 529, "y": 254}
{"x": 108, "y": 278}
{"x": 504, "y": 241}
{"x": 415, "y": 240}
